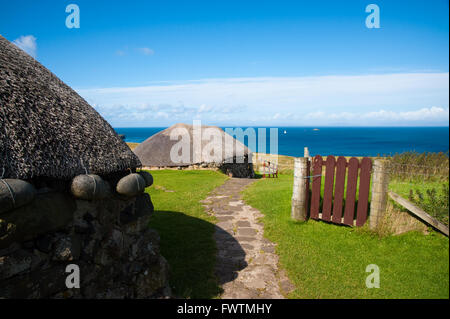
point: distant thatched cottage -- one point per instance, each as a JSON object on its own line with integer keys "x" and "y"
{"x": 69, "y": 194}
{"x": 205, "y": 147}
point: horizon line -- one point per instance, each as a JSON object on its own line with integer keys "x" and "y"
{"x": 303, "y": 126}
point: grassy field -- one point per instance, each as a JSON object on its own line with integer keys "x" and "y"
{"x": 328, "y": 261}
{"x": 132, "y": 146}
{"x": 185, "y": 229}
{"x": 322, "y": 260}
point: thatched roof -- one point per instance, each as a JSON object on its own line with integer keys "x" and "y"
{"x": 47, "y": 129}
{"x": 155, "y": 151}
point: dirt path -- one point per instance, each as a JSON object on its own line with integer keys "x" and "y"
{"x": 247, "y": 266}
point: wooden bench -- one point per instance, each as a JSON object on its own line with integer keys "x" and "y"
{"x": 271, "y": 169}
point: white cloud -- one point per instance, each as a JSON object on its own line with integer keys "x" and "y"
{"x": 205, "y": 108}
{"x": 120, "y": 52}
{"x": 328, "y": 100}
{"x": 424, "y": 114}
{"x": 28, "y": 44}
{"x": 432, "y": 114}
{"x": 146, "y": 51}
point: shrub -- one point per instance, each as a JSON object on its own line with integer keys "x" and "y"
{"x": 413, "y": 166}
{"x": 434, "y": 202}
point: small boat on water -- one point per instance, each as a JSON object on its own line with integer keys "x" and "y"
{"x": 316, "y": 129}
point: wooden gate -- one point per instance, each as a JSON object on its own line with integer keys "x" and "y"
{"x": 341, "y": 177}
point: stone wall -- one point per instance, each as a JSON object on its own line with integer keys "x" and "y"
{"x": 240, "y": 170}
{"x": 109, "y": 240}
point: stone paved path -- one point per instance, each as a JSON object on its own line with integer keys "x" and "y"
{"x": 247, "y": 266}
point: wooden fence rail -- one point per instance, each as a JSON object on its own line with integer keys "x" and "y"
{"x": 419, "y": 213}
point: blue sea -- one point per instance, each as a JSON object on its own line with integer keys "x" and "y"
{"x": 345, "y": 141}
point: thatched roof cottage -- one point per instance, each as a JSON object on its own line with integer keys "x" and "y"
{"x": 232, "y": 156}
{"x": 69, "y": 194}
{"x": 47, "y": 129}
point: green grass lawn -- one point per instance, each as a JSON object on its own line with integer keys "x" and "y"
{"x": 328, "y": 261}
{"x": 436, "y": 205}
{"x": 402, "y": 187}
{"x": 185, "y": 229}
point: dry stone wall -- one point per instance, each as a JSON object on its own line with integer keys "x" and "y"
{"x": 109, "y": 240}
{"x": 233, "y": 169}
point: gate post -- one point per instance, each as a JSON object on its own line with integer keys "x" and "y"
{"x": 305, "y": 152}
{"x": 380, "y": 184}
{"x": 299, "y": 209}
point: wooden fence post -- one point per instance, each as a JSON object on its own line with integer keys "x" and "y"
{"x": 306, "y": 152}
{"x": 380, "y": 185}
{"x": 299, "y": 210}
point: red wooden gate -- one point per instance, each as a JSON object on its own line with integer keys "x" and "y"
{"x": 335, "y": 178}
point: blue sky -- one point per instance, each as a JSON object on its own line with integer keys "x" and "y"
{"x": 154, "y": 63}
